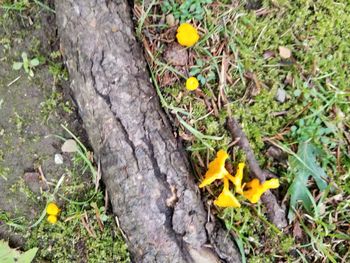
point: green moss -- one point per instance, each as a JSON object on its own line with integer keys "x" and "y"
{"x": 4, "y": 172}
{"x": 21, "y": 187}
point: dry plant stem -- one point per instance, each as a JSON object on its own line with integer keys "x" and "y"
{"x": 274, "y": 211}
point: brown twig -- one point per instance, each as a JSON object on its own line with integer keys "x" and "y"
{"x": 98, "y": 217}
{"x": 85, "y": 221}
{"x": 275, "y": 213}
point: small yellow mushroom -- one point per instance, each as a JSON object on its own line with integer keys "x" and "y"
{"x": 192, "y": 83}
{"x": 187, "y": 35}
{"x": 256, "y": 189}
{"x": 226, "y": 198}
{"x": 52, "y": 209}
{"x": 237, "y": 179}
{"x": 52, "y": 219}
{"x": 216, "y": 169}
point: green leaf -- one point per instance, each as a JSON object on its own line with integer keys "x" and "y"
{"x": 34, "y": 62}
{"x": 28, "y": 256}
{"x": 303, "y": 165}
{"x": 17, "y": 65}
{"x": 308, "y": 153}
{"x": 10, "y": 255}
{"x": 24, "y": 56}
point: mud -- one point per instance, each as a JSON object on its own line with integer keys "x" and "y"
{"x": 31, "y": 113}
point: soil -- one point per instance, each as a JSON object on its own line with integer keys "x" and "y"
{"x": 31, "y": 113}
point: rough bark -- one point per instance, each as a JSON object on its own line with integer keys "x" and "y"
{"x": 144, "y": 169}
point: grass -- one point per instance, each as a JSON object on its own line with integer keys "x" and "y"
{"x": 238, "y": 64}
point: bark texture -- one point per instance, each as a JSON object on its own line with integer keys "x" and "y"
{"x": 145, "y": 171}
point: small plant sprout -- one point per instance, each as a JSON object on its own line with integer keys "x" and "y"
{"x": 27, "y": 64}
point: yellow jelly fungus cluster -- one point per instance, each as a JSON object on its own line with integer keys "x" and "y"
{"x": 52, "y": 212}
{"x": 187, "y": 35}
{"x": 192, "y": 83}
{"x": 217, "y": 171}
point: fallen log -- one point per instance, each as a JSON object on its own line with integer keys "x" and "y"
{"x": 145, "y": 170}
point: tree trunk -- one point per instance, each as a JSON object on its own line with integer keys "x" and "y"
{"x": 148, "y": 179}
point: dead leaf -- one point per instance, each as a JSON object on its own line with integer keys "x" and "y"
{"x": 268, "y": 54}
{"x": 297, "y": 232}
{"x": 285, "y": 52}
{"x": 170, "y": 20}
{"x": 168, "y": 79}
{"x": 69, "y": 146}
{"x": 176, "y": 55}
{"x": 254, "y": 85}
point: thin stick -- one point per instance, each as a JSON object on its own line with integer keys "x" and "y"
{"x": 275, "y": 213}
{"x": 238, "y": 134}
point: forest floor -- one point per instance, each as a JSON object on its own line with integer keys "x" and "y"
{"x": 37, "y": 117}
{"x": 282, "y": 69}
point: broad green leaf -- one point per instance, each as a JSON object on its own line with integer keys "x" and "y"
{"x": 10, "y": 255}
{"x": 28, "y": 256}
{"x": 303, "y": 165}
{"x": 34, "y": 62}
{"x": 17, "y": 65}
{"x": 308, "y": 153}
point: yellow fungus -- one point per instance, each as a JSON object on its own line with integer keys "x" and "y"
{"x": 256, "y": 189}
{"x": 52, "y": 219}
{"x": 52, "y": 209}
{"x": 192, "y": 83}
{"x": 216, "y": 169}
{"x": 187, "y": 35}
{"x": 226, "y": 198}
{"x": 237, "y": 179}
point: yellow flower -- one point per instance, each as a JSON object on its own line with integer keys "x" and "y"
{"x": 52, "y": 209}
{"x": 226, "y": 198}
{"x": 256, "y": 189}
{"x": 192, "y": 83}
{"x": 52, "y": 219}
{"x": 237, "y": 179}
{"x": 187, "y": 35}
{"x": 216, "y": 169}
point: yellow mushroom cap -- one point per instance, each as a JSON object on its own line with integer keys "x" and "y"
{"x": 192, "y": 83}
{"x": 187, "y": 35}
{"x": 52, "y": 219}
{"x": 256, "y": 189}
{"x": 216, "y": 169}
{"x": 52, "y": 209}
{"x": 226, "y": 198}
{"x": 237, "y": 179}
